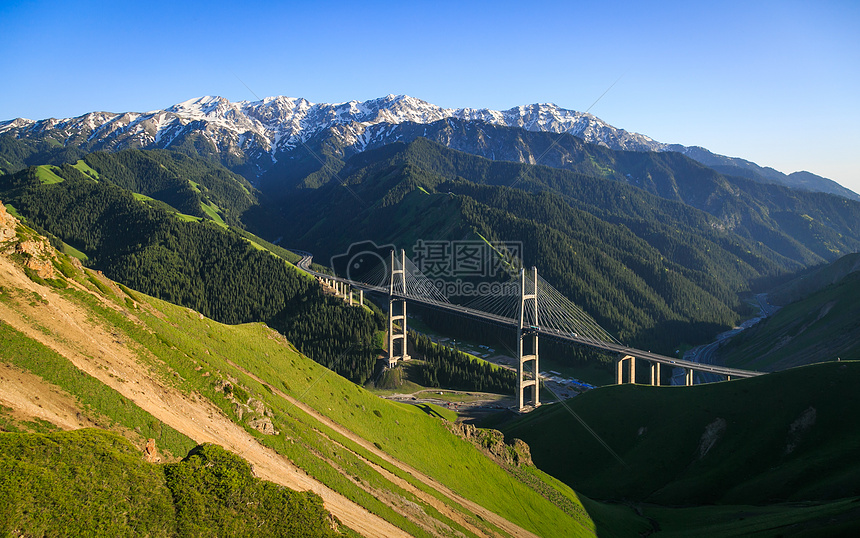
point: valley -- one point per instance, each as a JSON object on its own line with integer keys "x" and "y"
{"x": 707, "y": 354}
{"x": 150, "y": 312}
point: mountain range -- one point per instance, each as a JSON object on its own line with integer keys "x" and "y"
{"x": 252, "y": 138}
{"x": 661, "y": 250}
{"x": 646, "y": 241}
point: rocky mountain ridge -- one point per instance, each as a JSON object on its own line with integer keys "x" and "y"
{"x": 251, "y": 137}
{"x": 281, "y": 123}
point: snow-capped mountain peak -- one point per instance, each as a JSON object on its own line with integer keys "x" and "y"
{"x": 258, "y": 134}
{"x": 279, "y": 122}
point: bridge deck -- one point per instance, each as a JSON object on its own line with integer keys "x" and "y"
{"x": 306, "y": 260}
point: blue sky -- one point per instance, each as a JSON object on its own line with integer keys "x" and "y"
{"x": 777, "y": 83}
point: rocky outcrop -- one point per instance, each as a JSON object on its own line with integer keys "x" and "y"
{"x": 8, "y": 223}
{"x": 798, "y": 429}
{"x": 251, "y": 411}
{"x": 35, "y": 252}
{"x": 492, "y": 443}
{"x": 38, "y": 256}
{"x": 713, "y": 433}
{"x": 263, "y": 425}
{"x": 150, "y": 452}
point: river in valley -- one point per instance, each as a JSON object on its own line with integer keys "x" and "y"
{"x": 706, "y": 354}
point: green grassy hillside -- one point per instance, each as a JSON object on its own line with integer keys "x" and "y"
{"x": 255, "y": 378}
{"x": 823, "y": 326}
{"x": 403, "y": 431}
{"x": 767, "y": 456}
{"x": 95, "y": 483}
{"x": 785, "y": 436}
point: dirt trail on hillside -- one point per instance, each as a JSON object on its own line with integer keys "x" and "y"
{"x": 476, "y": 508}
{"x": 64, "y": 327}
{"x": 30, "y": 397}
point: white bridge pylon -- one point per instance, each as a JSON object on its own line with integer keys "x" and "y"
{"x": 527, "y": 341}
{"x": 408, "y": 281}
{"x": 397, "y": 312}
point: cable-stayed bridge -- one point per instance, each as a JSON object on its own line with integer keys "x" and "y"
{"x": 529, "y": 304}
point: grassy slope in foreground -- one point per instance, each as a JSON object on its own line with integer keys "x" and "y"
{"x": 786, "y": 436}
{"x": 194, "y": 354}
{"x": 79, "y": 483}
{"x": 95, "y": 483}
{"x": 401, "y": 430}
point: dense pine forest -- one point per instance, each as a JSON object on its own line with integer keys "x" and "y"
{"x": 196, "y": 263}
{"x": 450, "y": 368}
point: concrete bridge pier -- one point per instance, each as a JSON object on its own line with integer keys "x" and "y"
{"x": 688, "y": 378}
{"x": 619, "y": 369}
{"x": 632, "y": 370}
{"x": 655, "y": 374}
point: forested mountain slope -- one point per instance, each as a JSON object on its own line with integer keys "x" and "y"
{"x": 657, "y": 267}
{"x": 652, "y": 271}
{"x": 194, "y": 263}
{"x": 191, "y": 185}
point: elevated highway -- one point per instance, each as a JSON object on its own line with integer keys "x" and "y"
{"x": 625, "y": 353}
